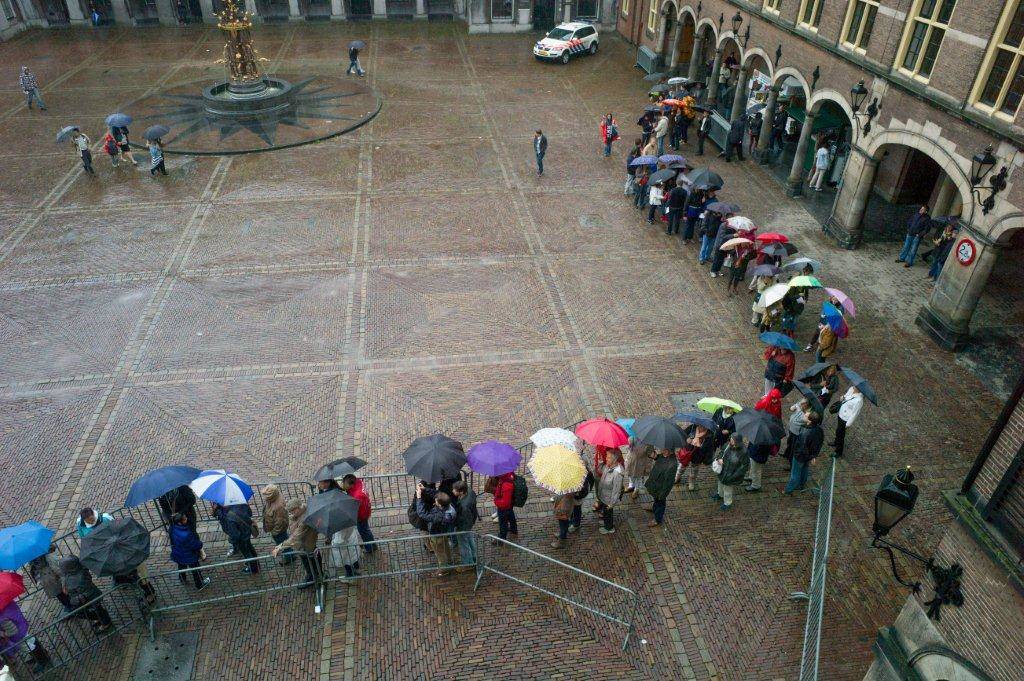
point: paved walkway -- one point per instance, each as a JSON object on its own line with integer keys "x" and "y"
{"x": 264, "y": 312}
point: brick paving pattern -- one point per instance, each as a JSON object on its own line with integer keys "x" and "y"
{"x": 264, "y": 312}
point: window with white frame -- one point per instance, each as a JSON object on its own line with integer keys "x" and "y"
{"x": 652, "y": 17}
{"x": 923, "y": 37}
{"x": 501, "y": 9}
{"x": 1000, "y": 85}
{"x": 860, "y": 20}
{"x": 810, "y": 13}
{"x": 772, "y": 5}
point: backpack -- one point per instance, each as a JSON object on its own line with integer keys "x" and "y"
{"x": 414, "y": 518}
{"x": 519, "y": 491}
{"x": 585, "y": 490}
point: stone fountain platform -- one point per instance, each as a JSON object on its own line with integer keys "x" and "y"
{"x": 294, "y": 109}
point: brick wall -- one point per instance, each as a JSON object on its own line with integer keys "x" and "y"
{"x": 1003, "y": 452}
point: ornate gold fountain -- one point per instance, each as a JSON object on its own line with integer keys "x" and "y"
{"x": 239, "y": 54}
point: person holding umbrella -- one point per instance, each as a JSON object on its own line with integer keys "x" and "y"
{"x": 353, "y": 58}
{"x": 780, "y": 366}
{"x": 156, "y": 157}
{"x": 659, "y": 484}
{"x": 655, "y": 199}
{"x": 82, "y": 591}
{"x": 846, "y": 411}
{"x": 440, "y": 519}
{"x": 301, "y": 538}
{"x": 629, "y": 187}
{"x": 698, "y": 450}
{"x": 118, "y": 123}
{"x": 609, "y": 488}
{"x": 353, "y": 486}
{"x": 805, "y": 449}
{"x": 828, "y": 342}
{"x": 82, "y": 144}
{"x": 12, "y": 586}
{"x": 731, "y": 466}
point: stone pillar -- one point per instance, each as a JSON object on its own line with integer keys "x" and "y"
{"x": 421, "y": 9}
{"x": 794, "y": 185}
{"x": 945, "y": 197}
{"x": 716, "y": 70}
{"x": 673, "y": 59}
{"x": 294, "y": 13}
{"x": 947, "y": 315}
{"x": 767, "y": 122}
{"x": 75, "y": 15}
{"x": 695, "y": 56}
{"x": 338, "y": 10}
{"x": 845, "y": 224}
{"x": 380, "y": 9}
{"x": 121, "y": 16}
{"x": 207, "y": 7}
{"x": 739, "y": 99}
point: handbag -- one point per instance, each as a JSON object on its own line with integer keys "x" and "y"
{"x": 255, "y": 529}
{"x": 835, "y": 407}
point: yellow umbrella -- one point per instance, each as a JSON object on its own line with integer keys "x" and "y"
{"x": 558, "y": 469}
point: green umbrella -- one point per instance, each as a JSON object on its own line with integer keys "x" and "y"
{"x": 805, "y": 281}
{"x": 712, "y": 404}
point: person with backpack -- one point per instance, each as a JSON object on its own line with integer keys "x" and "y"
{"x": 609, "y": 133}
{"x": 185, "y": 548}
{"x": 609, "y": 488}
{"x": 659, "y": 484}
{"x": 504, "y": 486}
{"x": 440, "y": 520}
{"x": 466, "y": 515}
{"x": 111, "y": 149}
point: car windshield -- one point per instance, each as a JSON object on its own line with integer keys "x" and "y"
{"x": 559, "y": 33}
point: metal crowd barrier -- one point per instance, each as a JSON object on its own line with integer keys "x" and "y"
{"x": 392, "y": 557}
{"x": 815, "y": 594}
{"x": 566, "y": 583}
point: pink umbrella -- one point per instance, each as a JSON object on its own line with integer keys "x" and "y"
{"x": 843, "y": 299}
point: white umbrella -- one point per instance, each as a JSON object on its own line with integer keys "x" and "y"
{"x": 773, "y": 294}
{"x": 740, "y": 223}
{"x": 545, "y": 437}
{"x": 219, "y": 486}
{"x": 799, "y": 263}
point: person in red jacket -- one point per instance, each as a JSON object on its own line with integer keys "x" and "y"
{"x": 353, "y": 486}
{"x": 507, "y": 526}
{"x": 780, "y": 365}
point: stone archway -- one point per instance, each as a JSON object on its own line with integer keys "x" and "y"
{"x": 683, "y": 43}
{"x": 703, "y": 57}
{"x": 724, "y": 76}
{"x": 667, "y": 30}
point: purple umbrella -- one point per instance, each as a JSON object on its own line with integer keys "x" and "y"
{"x": 493, "y": 458}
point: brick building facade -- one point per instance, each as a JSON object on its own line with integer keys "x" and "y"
{"x": 982, "y": 639}
{"x": 945, "y": 74}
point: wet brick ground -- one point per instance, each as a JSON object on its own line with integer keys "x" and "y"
{"x": 263, "y": 312}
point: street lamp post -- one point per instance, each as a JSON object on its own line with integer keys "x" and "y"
{"x": 858, "y": 93}
{"x": 981, "y": 166}
{"x": 894, "y": 501}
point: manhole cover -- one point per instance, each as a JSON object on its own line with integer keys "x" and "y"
{"x": 686, "y": 401}
{"x": 170, "y": 657}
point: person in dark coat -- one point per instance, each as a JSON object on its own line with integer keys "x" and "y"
{"x": 440, "y": 519}
{"x": 695, "y": 204}
{"x": 540, "y": 149}
{"x": 179, "y": 500}
{"x": 236, "y": 521}
{"x": 659, "y": 484}
{"x": 466, "y": 515}
{"x": 734, "y": 140}
{"x": 185, "y": 549}
{"x": 81, "y": 590}
{"x": 943, "y": 245}
{"x": 698, "y": 450}
{"x": 676, "y": 203}
{"x": 778, "y": 139}
{"x": 725, "y": 232}
{"x": 806, "y": 447}
{"x": 353, "y": 62}
{"x": 726, "y": 426}
{"x": 703, "y": 131}
{"x": 712, "y": 223}
{"x": 732, "y": 464}
{"x": 917, "y": 226}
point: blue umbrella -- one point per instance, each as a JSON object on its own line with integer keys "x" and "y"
{"x": 22, "y": 543}
{"x": 644, "y": 161}
{"x": 779, "y": 340}
{"x": 627, "y": 425}
{"x": 221, "y": 487}
{"x": 118, "y": 120}
{"x": 671, "y": 158}
{"x": 696, "y": 419}
{"x": 158, "y": 482}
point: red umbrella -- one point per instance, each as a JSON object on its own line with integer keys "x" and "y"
{"x": 772, "y": 237}
{"x": 603, "y": 432}
{"x": 11, "y": 586}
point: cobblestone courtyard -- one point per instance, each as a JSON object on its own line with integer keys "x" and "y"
{"x": 265, "y": 312}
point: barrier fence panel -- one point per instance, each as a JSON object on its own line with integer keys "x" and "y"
{"x": 819, "y": 569}
{"x": 72, "y": 635}
{"x": 396, "y": 556}
{"x": 580, "y": 589}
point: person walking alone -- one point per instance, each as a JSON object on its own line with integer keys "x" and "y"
{"x": 30, "y": 87}
{"x": 156, "y": 155}
{"x": 120, "y": 133}
{"x": 82, "y": 145}
{"x": 353, "y": 62}
{"x": 734, "y": 140}
{"x": 540, "y": 148}
{"x": 609, "y": 133}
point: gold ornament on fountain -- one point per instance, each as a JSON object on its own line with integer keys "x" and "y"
{"x": 239, "y": 54}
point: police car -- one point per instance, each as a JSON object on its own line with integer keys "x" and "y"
{"x": 566, "y": 41}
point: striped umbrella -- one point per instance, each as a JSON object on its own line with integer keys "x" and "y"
{"x": 221, "y": 487}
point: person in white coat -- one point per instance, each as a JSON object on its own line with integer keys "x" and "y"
{"x": 660, "y": 131}
{"x": 609, "y": 488}
{"x": 345, "y": 550}
{"x": 849, "y": 408}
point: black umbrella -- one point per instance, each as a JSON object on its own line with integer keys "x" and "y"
{"x": 696, "y": 418}
{"x": 356, "y": 45}
{"x": 659, "y": 89}
{"x": 659, "y": 432}
{"x": 116, "y": 547}
{"x": 809, "y": 395}
{"x": 861, "y": 384}
{"x": 656, "y": 76}
{"x": 766, "y": 270}
{"x": 155, "y": 132}
{"x": 331, "y": 511}
{"x": 434, "y": 458}
{"x": 706, "y": 176}
{"x": 66, "y": 132}
{"x": 661, "y": 176}
{"x": 790, "y": 248}
{"x": 701, "y": 107}
{"x": 338, "y": 468}
{"x": 759, "y": 427}
{"x": 814, "y": 370}
{"x": 774, "y": 250}
{"x": 723, "y": 207}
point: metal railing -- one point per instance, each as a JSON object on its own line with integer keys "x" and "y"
{"x": 815, "y": 594}
{"x": 587, "y": 592}
{"x": 392, "y": 557}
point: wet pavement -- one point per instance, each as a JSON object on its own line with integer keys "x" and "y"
{"x": 265, "y": 312}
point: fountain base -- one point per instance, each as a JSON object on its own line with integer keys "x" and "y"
{"x": 259, "y": 98}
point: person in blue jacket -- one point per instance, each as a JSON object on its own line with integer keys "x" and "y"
{"x": 185, "y": 548}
